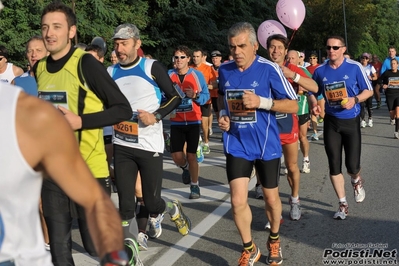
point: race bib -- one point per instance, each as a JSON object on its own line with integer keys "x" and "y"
{"x": 55, "y": 97}
{"x": 128, "y": 130}
{"x": 185, "y": 106}
{"x": 238, "y": 112}
{"x": 393, "y": 83}
{"x": 335, "y": 92}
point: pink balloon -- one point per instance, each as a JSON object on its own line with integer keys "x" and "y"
{"x": 268, "y": 28}
{"x": 291, "y": 13}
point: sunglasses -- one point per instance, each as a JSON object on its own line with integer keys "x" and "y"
{"x": 335, "y": 48}
{"x": 180, "y": 57}
{"x": 365, "y": 58}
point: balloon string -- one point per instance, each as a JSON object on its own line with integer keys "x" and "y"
{"x": 292, "y": 37}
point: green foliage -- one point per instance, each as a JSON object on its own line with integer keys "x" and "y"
{"x": 165, "y": 24}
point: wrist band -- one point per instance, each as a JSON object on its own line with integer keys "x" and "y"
{"x": 296, "y": 78}
{"x": 266, "y": 103}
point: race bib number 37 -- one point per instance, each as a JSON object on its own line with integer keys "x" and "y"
{"x": 335, "y": 92}
{"x": 238, "y": 112}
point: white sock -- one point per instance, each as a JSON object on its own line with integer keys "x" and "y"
{"x": 342, "y": 200}
{"x": 195, "y": 184}
{"x": 294, "y": 199}
{"x": 355, "y": 180}
{"x": 306, "y": 158}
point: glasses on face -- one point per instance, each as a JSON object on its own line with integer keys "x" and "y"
{"x": 366, "y": 58}
{"x": 179, "y": 57}
{"x": 335, "y": 48}
{"x": 312, "y": 57}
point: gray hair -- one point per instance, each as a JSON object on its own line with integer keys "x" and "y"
{"x": 241, "y": 27}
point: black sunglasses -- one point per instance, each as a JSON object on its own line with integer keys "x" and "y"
{"x": 335, "y": 48}
{"x": 365, "y": 58}
{"x": 181, "y": 57}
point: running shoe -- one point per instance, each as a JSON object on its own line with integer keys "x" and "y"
{"x": 142, "y": 241}
{"x": 363, "y": 124}
{"x": 275, "y": 256}
{"x": 342, "y": 211}
{"x": 210, "y": 131}
{"x": 205, "y": 148}
{"x": 320, "y": 120}
{"x": 258, "y": 192}
{"x": 379, "y": 105}
{"x": 185, "y": 176}
{"x": 155, "y": 223}
{"x": 267, "y": 226}
{"x": 182, "y": 222}
{"x": 370, "y": 123}
{"x": 194, "y": 192}
{"x": 253, "y": 173}
{"x": 392, "y": 122}
{"x": 314, "y": 136}
{"x": 306, "y": 167}
{"x": 358, "y": 190}
{"x": 396, "y": 135}
{"x": 132, "y": 251}
{"x": 248, "y": 258}
{"x": 295, "y": 212}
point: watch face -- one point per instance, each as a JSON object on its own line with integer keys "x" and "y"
{"x": 158, "y": 117}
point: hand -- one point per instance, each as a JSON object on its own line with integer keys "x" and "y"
{"x": 316, "y": 110}
{"x": 190, "y": 93}
{"x": 224, "y": 123}
{"x": 349, "y": 104}
{"x": 146, "y": 118}
{"x": 385, "y": 86}
{"x": 288, "y": 73}
{"x": 73, "y": 119}
{"x": 250, "y": 100}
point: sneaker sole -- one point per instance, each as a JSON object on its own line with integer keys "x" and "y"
{"x": 188, "y": 221}
{"x": 305, "y": 172}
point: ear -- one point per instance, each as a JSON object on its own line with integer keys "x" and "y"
{"x": 138, "y": 44}
{"x": 72, "y": 32}
{"x": 256, "y": 47}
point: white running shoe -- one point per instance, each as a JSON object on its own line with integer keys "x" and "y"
{"x": 342, "y": 211}
{"x": 392, "y": 122}
{"x": 295, "y": 212}
{"x": 132, "y": 250}
{"x": 370, "y": 123}
{"x": 358, "y": 190}
{"x": 306, "y": 167}
{"x": 396, "y": 135}
{"x": 155, "y": 223}
{"x": 363, "y": 123}
{"x": 142, "y": 241}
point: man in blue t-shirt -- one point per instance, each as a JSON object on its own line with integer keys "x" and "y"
{"x": 344, "y": 84}
{"x": 252, "y": 89}
{"x": 387, "y": 62}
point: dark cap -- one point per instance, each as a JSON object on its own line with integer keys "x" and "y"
{"x": 313, "y": 55}
{"x": 216, "y": 53}
{"x": 126, "y": 31}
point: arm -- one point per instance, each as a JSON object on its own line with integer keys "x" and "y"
{"x": 117, "y": 107}
{"x": 17, "y": 70}
{"x": 204, "y": 95}
{"x": 67, "y": 168}
{"x": 302, "y": 80}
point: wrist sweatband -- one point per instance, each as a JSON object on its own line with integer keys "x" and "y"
{"x": 297, "y": 77}
{"x": 266, "y": 103}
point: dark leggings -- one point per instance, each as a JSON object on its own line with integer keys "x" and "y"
{"x": 59, "y": 212}
{"x": 127, "y": 163}
{"x": 342, "y": 134}
{"x": 366, "y": 104}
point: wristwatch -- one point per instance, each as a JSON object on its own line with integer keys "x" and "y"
{"x": 158, "y": 116}
{"x": 356, "y": 99}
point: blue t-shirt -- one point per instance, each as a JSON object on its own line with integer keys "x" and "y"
{"x": 28, "y": 83}
{"x": 348, "y": 80}
{"x": 387, "y": 64}
{"x": 253, "y": 133}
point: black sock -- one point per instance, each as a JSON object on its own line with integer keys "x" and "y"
{"x": 273, "y": 236}
{"x": 249, "y": 246}
{"x": 397, "y": 124}
{"x": 142, "y": 215}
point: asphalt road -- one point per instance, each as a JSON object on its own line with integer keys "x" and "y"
{"x": 373, "y": 224}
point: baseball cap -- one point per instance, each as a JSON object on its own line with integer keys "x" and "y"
{"x": 126, "y": 31}
{"x": 366, "y": 55}
{"x": 216, "y": 53}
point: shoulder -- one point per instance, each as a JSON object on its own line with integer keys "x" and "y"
{"x": 17, "y": 70}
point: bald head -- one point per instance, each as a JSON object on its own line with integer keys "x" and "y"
{"x": 293, "y": 57}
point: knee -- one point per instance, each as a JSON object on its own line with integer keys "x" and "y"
{"x": 191, "y": 158}
{"x": 238, "y": 203}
